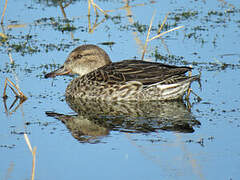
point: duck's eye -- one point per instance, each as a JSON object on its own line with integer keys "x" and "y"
{"x": 78, "y": 56}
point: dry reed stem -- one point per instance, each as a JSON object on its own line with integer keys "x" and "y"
{"x": 89, "y": 7}
{"x": 164, "y": 21}
{"x": 188, "y": 93}
{"x": 92, "y": 28}
{"x": 95, "y": 7}
{"x": 7, "y": 110}
{"x": 33, "y": 162}
{"x": 11, "y": 85}
{"x": 89, "y": 24}
{"x": 4, "y": 10}
{"x": 28, "y": 142}
{"x": 33, "y": 151}
{"x": 196, "y": 95}
{"x": 161, "y": 34}
{"x": 148, "y": 33}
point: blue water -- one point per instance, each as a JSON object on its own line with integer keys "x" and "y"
{"x": 210, "y": 152}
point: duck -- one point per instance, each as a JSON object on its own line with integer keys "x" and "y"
{"x": 129, "y": 80}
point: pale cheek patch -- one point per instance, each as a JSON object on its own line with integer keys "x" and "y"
{"x": 80, "y": 70}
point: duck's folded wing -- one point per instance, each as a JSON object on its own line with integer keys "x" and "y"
{"x": 136, "y": 70}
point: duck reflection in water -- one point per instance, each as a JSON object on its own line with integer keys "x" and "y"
{"x": 95, "y": 120}
{"x": 126, "y": 96}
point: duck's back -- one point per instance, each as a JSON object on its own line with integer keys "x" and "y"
{"x": 145, "y": 72}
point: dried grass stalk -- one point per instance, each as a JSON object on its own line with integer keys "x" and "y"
{"x": 4, "y": 10}
{"x": 33, "y": 151}
{"x": 95, "y": 7}
{"x": 28, "y": 142}
{"x": 11, "y": 85}
{"x": 33, "y": 162}
{"x": 161, "y": 34}
{"x": 148, "y": 33}
{"x": 164, "y": 21}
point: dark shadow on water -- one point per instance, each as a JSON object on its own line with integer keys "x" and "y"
{"x": 95, "y": 120}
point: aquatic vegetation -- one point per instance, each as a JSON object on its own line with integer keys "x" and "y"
{"x": 182, "y": 16}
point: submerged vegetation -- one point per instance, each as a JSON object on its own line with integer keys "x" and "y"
{"x": 30, "y": 43}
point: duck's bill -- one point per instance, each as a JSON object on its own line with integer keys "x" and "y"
{"x": 58, "y": 72}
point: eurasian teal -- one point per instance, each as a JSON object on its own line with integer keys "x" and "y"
{"x": 127, "y": 80}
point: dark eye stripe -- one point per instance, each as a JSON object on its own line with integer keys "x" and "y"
{"x": 78, "y": 56}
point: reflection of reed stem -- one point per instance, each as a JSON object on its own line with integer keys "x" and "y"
{"x": 8, "y": 49}
{"x": 89, "y": 7}
{"x": 62, "y": 9}
{"x": 131, "y": 21}
{"x": 64, "y": 13}
{"x": 5, "y": 7}
{"x": 194, "y": 164}
{"x": 9, "y": 171}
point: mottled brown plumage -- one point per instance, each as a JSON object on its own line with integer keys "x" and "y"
{"x": 129, "y": 80}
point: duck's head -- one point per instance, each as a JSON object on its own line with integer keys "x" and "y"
{"x": 82, "y": 60}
